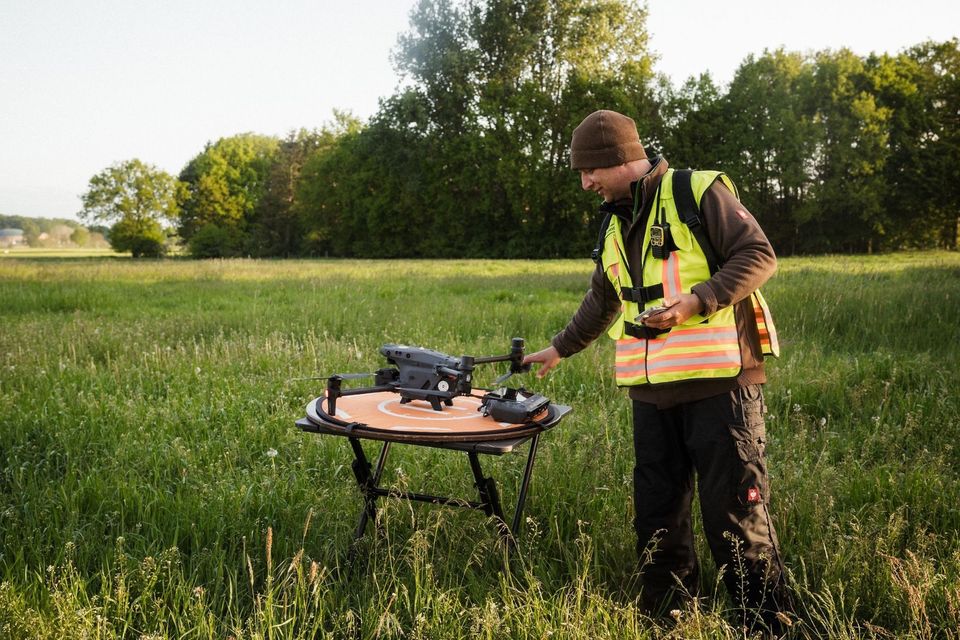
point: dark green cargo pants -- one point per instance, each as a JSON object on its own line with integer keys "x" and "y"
{"x": 721, "y": 440}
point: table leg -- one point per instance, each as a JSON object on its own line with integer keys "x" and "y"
{"x": 368, "y": 482}
{"x": 489, "y": 495}
{"x": 522, "y": 498}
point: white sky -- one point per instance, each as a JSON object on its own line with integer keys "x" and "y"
{"x": 85, "y": 84}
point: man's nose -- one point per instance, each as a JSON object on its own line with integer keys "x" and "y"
{"x": 585, "y": 181}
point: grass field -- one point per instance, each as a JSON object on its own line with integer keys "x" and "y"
{"x": 142, "y": 403}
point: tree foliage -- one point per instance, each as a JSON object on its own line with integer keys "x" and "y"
{"x": 224, "y": 183}
{"x": 470, "y": 157}
{"x": 136, "y": 198}
{"x": 833, "y": 152}
{"x": 279, "y": 226}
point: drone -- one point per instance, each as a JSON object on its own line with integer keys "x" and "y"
{"x": 431, "y": 376}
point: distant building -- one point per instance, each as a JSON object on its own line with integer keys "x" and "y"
{"x": 12, "y": 237}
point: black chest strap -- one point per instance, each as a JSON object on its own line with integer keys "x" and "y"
{"x": 598, "y": 250}
{"x": 643, "y": 295}
{"x": 608, "y": 209}
{"x": 689, "y": 213}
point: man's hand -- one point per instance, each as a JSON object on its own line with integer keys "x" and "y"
{"x": 548, "y": 359}
{"x": 679, "y": 309}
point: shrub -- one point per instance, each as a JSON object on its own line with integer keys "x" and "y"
{"x": 212, "y": 241}
{"x": 142, "y": 238}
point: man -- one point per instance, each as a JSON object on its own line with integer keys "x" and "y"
{"x": 694, "y": 370}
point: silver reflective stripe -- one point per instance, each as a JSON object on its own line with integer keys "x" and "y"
{"x": 634, "y": 369}
{"x": 729, "y": 334}
{"x": 685, "y": 362}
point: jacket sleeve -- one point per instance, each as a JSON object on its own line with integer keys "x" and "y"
{"x": 597, "y": 310}
{"x": 741, "y": 246}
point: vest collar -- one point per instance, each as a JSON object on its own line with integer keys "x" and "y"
{"x": 623, "y": 209}
{"x": 644, "y": 188}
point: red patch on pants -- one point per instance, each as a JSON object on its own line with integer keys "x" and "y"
{"x": 753, "y": 495}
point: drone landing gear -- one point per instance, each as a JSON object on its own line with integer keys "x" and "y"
{"x": 433, "y": 400}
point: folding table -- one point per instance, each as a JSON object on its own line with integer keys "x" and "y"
{"x": 441, "y": 436}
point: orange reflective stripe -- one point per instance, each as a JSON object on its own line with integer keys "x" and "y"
{"x": 697, "y": 331}
{"x": 630, "y": 347}
{"x": 725, "y": 362}
{"x": 768, "y": 335}
{"x": 670, "y": 276}
{"x": 697, "y": 355}
{"x": 630, "y": 360}
{"x": 700, "y": 337}
{"x": 658, "y": 348}
{"x": 636, "y": 350}
{"x": 629, "y": 372}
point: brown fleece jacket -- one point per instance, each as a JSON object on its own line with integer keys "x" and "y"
{"x": 748, "y": 261}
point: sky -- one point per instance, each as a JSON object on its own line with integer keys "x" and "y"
{"x": 86, "y": 84}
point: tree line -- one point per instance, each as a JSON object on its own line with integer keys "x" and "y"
{"x": 831, "y": 151}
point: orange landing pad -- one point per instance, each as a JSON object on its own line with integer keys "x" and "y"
{"x": 383, "y": 411}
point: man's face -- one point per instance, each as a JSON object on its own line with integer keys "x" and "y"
{"x": 612, "y": 183}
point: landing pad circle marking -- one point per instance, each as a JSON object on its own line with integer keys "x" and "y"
{"x": 381, "y": 409}
{"x": 428, "y": 412}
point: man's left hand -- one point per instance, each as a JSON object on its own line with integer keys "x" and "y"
{"x": 679, "y": 309}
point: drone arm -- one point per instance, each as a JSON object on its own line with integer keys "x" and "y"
{"x": 488, "y": 359}
{"x": 357, "y": 392}
{"x": 335, "y": 389}
{"x": 515, "y": 357}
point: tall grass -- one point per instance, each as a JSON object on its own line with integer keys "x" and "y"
{"x": 141, "y": 401}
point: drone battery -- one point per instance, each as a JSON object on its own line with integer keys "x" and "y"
{"x": 386, "y": 376}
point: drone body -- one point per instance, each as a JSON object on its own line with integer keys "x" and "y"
{"x": 437, "y": 378}
{"x": 424, "y": 374}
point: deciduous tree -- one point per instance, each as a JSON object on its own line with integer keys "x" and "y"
{"x": 136, "y": 198}
{"x": 224, "y": 183}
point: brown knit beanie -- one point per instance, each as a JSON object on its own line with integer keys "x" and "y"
{"x": 605, "y": 139}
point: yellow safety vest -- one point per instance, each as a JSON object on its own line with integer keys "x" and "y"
{"x": 700, "y": 348}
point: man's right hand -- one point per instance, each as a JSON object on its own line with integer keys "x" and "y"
{"x": 547, "y": 358}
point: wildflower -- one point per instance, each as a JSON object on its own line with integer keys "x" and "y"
{"x": 197, "y": 371}
{"x": 876, "y": 419}
{"x": 796, "y": 408}
{"x": 784, "y": 619}
{"x": 271, "y": 453}
{"x": 823, "y": 422}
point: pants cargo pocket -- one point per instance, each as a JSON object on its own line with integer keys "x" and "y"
{"x": 750, "y": 437}
{"x": 751, "y": 490}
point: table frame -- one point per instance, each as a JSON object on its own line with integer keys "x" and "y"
{"x": 368, "y": 477}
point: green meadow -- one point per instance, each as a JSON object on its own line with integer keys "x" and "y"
{"x": 153, "y": 484}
